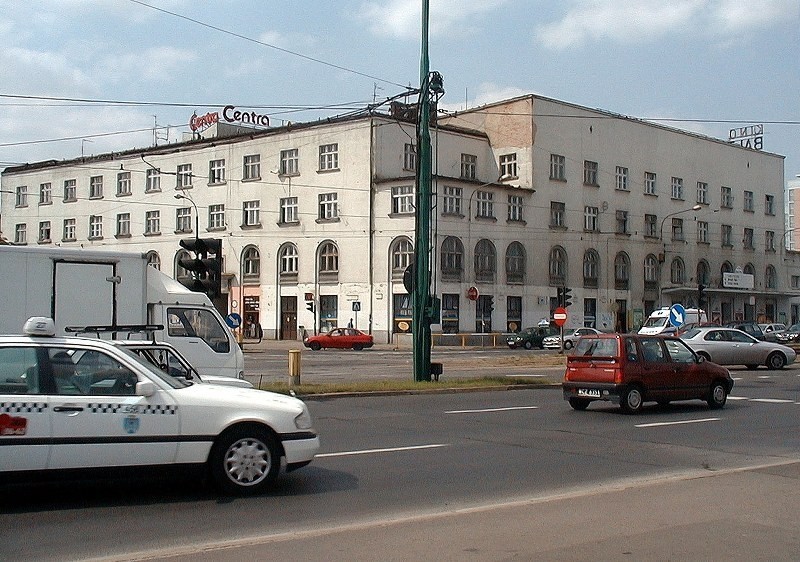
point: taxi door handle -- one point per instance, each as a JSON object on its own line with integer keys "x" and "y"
{"x": 67, "y": 409}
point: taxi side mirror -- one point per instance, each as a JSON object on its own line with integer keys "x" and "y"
{"x": 145, "y": 388}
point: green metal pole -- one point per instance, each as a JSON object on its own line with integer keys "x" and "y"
{"x": 421, "y": 326}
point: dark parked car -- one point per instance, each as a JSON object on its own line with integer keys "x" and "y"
{"x": 531, "y": 337}
{"x": 631, "y": 369}
{"x": 789, "y": 335}
{"x": 751, "y": 328}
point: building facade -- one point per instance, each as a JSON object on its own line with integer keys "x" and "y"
{"x": 531, "y": 194}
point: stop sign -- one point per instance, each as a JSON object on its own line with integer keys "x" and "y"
{"x": 560, "y": 316}
{"x": 472, "y": 293}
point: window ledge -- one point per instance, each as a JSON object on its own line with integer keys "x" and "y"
{"x": 520, "y": 222}
{"x": 128, "y": 194}
{"x": 118, "y": 236}
{"x": 400, "y": 215}
{"x": 44, "y": 203}
{"x": 149, "y": 234}
{"x": 257, "y": 178}
{"x": 216, "y": 183}
{"x": 323, "y": 221}
{"x": 251, "y": 226}
{"x": 288, "y": 223}
{"x": 328, "y": 171}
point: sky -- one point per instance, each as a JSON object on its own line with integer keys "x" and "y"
{"x": 702, "y": 65}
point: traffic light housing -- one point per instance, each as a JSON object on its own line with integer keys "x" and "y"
{"x": 559, "y": 296}
{"x": 490, "y": 304}
{"x": 701, "y": 295}
{"x": 310, "y": 306}
{"x": 567, "y": 295}
{"x": 205, "y": 268}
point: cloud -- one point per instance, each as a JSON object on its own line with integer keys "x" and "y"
{"x": 634, "y": 21}
{"x": 402, "y": 19}
{"x": 488, "y": 92}
{"x": 151, "y": 64}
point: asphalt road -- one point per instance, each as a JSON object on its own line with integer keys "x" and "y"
{"x": 430, "y": 460}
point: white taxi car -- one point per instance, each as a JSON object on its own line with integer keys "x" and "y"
{"x": 73, "y": 403}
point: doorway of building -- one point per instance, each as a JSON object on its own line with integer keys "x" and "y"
{"x": 622, "y": 316}
{"x": 288, "y": 318}
{"x": 252, "y": 317}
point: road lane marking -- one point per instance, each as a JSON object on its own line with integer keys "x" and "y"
{"x": 659, "y": 424}
{"x": 772, "y": 400}
{"x": 738, "y": 398}
{"x": 483, "y": 410}
{"x": 386, "y": 450}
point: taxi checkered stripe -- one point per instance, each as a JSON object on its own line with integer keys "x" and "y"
{"x": 22, "y": 407}
{"x": 115, "y": 408}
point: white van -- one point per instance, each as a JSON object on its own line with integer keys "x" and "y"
{"x": 658, "y": 321}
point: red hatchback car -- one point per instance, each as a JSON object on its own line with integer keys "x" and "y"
{"x": 340, "y": 338}
{"x": 631, "y": 369}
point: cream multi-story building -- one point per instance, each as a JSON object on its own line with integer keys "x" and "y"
{"x": 531, "y": 193}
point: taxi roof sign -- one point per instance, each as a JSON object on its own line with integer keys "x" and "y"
{"x": 39, "y": 326}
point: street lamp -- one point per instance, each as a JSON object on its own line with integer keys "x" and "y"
{"x": 196, "y": 213}
{"x": 661, "y": 232}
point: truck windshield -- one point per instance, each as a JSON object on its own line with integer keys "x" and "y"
{"x": 198, "y": 323}
{"x": 656, "y": 322}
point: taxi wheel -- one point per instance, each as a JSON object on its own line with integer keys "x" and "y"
{"x": 244, "y": 461}
{"x": 632, "y": 400}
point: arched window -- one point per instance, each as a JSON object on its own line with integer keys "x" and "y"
{"x": 402, "y": 255}
{"x": 591, "y": 269}
{"x": 724, "y": 268}
{"x": 651, "y": 272}
{"x": 677, "y": 272}
{"x": 288, "y": 260}
{"x": 622, "y": 271}
{"x": 750, "y": 269}
{"x": 515, "y": 263}
{"x": 154, "y": 260}
{"x": 703, "y": 273}
{"x": 182, "y": 274}
{"x": 251, "y": 264}
{"x": 558, "y": 266}
{"x": 485, "y": 261}
{"x": 770, "y": 278}
{"x": 452, "y": 258}
{"x": 329, "y": 258}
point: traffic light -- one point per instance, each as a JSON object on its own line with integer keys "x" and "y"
{"x": 205, "y": 268}
{"x": 559, "y": 296}
{"x": 567, "y": 292}
{"x": 701, "y": 295}
{"x": 489, "y": 304}
{"x": 310, "y": 301}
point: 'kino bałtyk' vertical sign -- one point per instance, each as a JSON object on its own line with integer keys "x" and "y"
{"x": 751, "y": 136}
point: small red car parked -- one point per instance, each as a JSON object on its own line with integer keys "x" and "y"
{"x": 631, "y": 369}
{"x": 340, "y": 338}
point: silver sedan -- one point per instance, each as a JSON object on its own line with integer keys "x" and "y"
{"x": 728, "y": 346}
{"x": 570, "y": 338}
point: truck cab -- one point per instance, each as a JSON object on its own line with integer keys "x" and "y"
{"x": 658, "y": 321}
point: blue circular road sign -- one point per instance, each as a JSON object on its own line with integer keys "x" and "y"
{"x": 677, "y": 315}
{"x": 233, "y": 320}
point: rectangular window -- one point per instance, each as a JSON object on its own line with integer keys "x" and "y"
{"x": 450, "y": 303}
{"x": 591, "y": 218}
{"x": 726, "y": 197}
{"x": 649, "y": 183}
{"x": 289, "y": 210}
{"x": 621, "y": 178}
{"x": 290, "y": 162}
{"x": 216, "y": 217}
{"x": 45, "y": 193}
{"x": 183, "y": 219}
{"x": 403, "y": 200}
{"x": 749, "y": 203}
{"x": 622, "y": 222}
{"x": 702, "y": 232}
{"x": 95, "y": 227}
{"x": 44, "y": 232}
{"x": 252, "y": 167}
{"x": 558, "y": 167}
{"x": 124, "y": 183}
{"x": 152, "y": 222}
{"x": 747, "y": 239}
{"x": 650, "y": 226}
{"x": 702, "y": 192}
{"x": 590, "y": 173}
{"x": 70, "y": 190}
{"x": 484, "y": 205}
{"x": 96, "y": 187}
{"x": 769, "y": 241}
{"x": 328, "y": 157}
{"x": 328, "y": 206}
{"x": 769, "y": 204}
{"x": 677, "y": 229}
{"x": 677, "y": 188}
{"x": 469, "y": 166}
{"x": 727, "y": 235}
{"x": 184, "y": 176}
{"x": 409, "y": 157}
{"x": 557, "y": 215}
{"x": 515, "y": 208}
{"x": 123, "y": 225}
{"x": 21, "y": 234}
{"x": 152, "y": 181}
{"x": 452, "y": 200}
{"x": 21, "y": 193}
{"x": 508, "y": 165}
{"x": 216, "y": 172}
{"x": 251, "y": 213}
{"x": 69, "y": 234}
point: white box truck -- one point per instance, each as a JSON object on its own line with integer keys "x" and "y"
{"x": 658, "y": 321}
{"x": 79, "y": 288}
